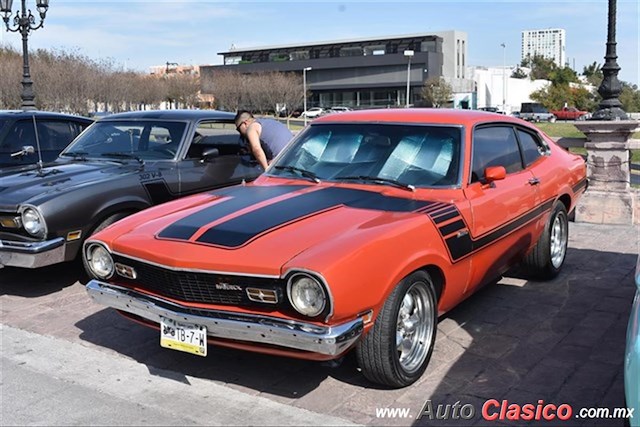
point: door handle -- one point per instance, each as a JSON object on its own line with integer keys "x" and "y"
{"x": 534, "y": 181}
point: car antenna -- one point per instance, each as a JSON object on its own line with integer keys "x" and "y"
{"x": 35, "y": 131}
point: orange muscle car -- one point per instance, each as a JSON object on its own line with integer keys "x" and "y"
{"x": 364, "y": 230}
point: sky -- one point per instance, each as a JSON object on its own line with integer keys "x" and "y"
{"x": 138, "y": 34}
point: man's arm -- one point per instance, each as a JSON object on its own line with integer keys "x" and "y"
{"x": 253, "y": 137}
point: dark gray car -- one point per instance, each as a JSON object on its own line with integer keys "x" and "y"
{"x": 51, "y": 132}
{"x": 121, "y": 164}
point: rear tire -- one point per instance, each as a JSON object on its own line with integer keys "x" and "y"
{"x": 547, "y": 258}
{"x": 397, "y": 350}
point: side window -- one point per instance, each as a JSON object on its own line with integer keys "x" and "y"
{"x": 220, "y": 135}
{"x": 19, "y": 135}
{"x": 54, "y": 135}
{"x": 495, "y": 146}
{"x": 532, "y": 148}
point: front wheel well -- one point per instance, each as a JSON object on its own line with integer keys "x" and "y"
{"x": 437, "y": 276}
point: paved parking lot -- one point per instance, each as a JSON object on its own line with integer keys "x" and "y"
{"x": 523, "y": 341}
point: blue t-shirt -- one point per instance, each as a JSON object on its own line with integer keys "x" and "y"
{"x": 274, "y": 137}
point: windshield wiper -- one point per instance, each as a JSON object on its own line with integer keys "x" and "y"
{"x": 378, "y": 180}
{"x": 123, "y": 155}
{"x": 77, "y": 155}
{"x": 305, "y": 173}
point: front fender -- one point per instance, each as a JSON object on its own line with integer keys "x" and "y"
{"x": 363, "y": 268}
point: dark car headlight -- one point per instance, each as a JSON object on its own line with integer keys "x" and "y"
{"x": 306, "y": 294}
{"x": 33, "y": 222}
{"x": 99, "y": 261}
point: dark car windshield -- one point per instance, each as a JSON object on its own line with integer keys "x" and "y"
{"x": 147, "y": 140}
{"x": 410, "y": 155}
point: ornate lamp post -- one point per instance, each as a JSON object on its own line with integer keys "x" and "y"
{"x": 610, "y": 108}
{"x": 24, "y": 22}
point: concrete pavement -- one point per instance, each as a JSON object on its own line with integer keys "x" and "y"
{"x": 560, "y": 341}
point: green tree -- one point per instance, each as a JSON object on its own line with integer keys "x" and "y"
{"x": 540, "y": 66}
{"x": 630, "y": 98}
{"x": 437, "y": 92}
{"x": 593, "y": 73}
{"x": 554, "y": 97}
{"x": 518, "y": 73}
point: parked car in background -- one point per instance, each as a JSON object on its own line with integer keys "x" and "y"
{"x": 534, "y": 112}
{"x": 491, "y": 110}
{"x": 121, "y": 164}
{"x": 23, "y": 132}
{"x": 313, "y": 113}
{"x": 571, "y": 113}
{"x": 632, "y": 356}
{"x": 365, "y": 229}
{"x": 339, "y": 109}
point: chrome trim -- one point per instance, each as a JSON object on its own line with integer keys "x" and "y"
{"x": 251, "y": 328}
{"x": 45, "y": 229}
{"x": 320, "y": 277}
{"x": 315, "y": 279}
{"x": 32, "y": 254}
{"x": 266, "y": 296}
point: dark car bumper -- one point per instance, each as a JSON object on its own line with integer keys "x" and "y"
{"x": 249, "y": 328}
{"x": 32, "y": 254}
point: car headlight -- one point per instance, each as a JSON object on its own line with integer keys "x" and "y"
{"x": 306, "y": 294}
{"x": 99, "y": 261}
{"x": 33, "y": 222}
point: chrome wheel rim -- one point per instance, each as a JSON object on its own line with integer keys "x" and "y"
{"x": 415, "y": 327}
{"x": 558, "y": 247}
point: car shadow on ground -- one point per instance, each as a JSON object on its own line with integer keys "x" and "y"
{"x": 31, "y": 283}
{"x": 561, "y": 341}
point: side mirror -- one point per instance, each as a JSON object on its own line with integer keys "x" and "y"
{"x": 27, "y": 149}
{"x": 209, "y": 154}
{"x": 494, "y": 173}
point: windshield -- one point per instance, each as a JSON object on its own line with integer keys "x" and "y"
{"x": 147, "y": 140}
{"x": 411, "y": 155}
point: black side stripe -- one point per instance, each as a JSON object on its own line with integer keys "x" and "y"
{"x": 462, "y": 244}
{"x": 186, "y": 227}
{"x": 240, "y": 230}
{"x": 579, "y": 186}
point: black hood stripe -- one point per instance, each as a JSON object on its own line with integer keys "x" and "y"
{"x": 239, "y": 230}
{"x": 239, "y": 198}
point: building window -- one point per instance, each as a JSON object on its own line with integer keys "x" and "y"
{"x": 232, "y": 60}
{"x": 428, "y": 46}
{"x": 375, "y": 50}
{"x": 278, "y": 57}
{"x": 351, "y": 51}
{"x": 299, "y": 55}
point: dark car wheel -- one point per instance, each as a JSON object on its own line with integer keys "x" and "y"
{"x": 547, "y": 258}
{"x": 396, "y": 351}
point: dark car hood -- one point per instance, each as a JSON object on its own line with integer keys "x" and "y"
{"x": 34, "y": 185}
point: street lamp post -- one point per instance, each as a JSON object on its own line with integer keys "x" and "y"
{"x": 504, "y": 78}
{"x": 610, "y": 108}
{"x": 166, "y": 70}
{"x": 304, "y": 91}
{"x": 24, "y": 22}
{"x": 408, "y": 54}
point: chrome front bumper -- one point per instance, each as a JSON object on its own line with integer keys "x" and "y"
{"x": 235, "y": 326}
{"x": 31, "y": 254}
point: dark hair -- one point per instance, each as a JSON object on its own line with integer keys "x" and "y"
{"x": 242, "y": 115}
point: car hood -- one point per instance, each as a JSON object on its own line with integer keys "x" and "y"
{"x": 34, "y": 185}
{"x": 257, "y": 229}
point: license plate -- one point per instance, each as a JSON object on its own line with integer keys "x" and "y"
{"x": 186, "y": 337}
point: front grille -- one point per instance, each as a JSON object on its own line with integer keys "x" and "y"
{"x": 206, "y": 288}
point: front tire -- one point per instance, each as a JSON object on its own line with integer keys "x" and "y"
{"x": 547, "y": 258}
{"x": 397, "y": 350}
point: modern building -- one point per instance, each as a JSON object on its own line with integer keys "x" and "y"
{"x": 549, "y": 43}
{"x": 359, "y": 73}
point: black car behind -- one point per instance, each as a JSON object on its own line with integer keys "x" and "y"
{"x": 121, "y": 164}
{"x": 51, "y": 132}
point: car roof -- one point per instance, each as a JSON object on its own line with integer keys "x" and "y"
{"x": 417, "y": 115}
{"x": 41, "y": 114}
{"x": 171, "y": 115}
